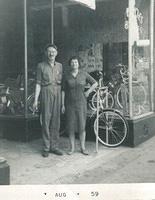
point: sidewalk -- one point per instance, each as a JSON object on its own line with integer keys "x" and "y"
{"x": 110, "y": 165}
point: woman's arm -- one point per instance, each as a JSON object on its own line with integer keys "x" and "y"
{"x": 92, "y": 88}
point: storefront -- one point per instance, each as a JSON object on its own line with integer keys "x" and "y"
{"x": 116, "y": 37}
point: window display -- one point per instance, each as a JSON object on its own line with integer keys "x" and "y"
{"x": 91, "y": 57}
{"x": 12, "y": 95}
{"x": 140, "y": 57}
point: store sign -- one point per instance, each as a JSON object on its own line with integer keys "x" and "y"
{"x": 88, "y": 3}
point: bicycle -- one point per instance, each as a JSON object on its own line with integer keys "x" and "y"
{"x": 12, "y": 96}
{"x": 122, "y": 93}
{"x": 110, "y": 127}
{"x": 105, "y": 96}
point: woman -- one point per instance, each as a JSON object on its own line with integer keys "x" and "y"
{"x": 76, "y": 102}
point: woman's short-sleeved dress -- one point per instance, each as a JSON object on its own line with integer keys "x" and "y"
{"x": 75, "y": 100}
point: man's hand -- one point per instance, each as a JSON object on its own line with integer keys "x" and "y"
{"x": 63, "y": 109}
{"x": 86, "y": 94}
{"x": 35, "y": 106}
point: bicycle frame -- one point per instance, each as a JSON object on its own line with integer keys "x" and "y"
{"x": 105, "y": 97}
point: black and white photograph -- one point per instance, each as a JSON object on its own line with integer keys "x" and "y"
{"x": 77, "y": 99}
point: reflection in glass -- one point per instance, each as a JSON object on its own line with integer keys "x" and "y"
{"x": 141, "y": 60}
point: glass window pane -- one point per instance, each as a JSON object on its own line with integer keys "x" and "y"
{"x": 38, "y": 36}
{"x": 11, "y": 57}
{"x": 141, "y": 56}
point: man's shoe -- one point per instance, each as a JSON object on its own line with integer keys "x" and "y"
{"x": 45, "y": 153}
{"x": 56, "y": 151}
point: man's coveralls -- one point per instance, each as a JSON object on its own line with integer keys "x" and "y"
{"x": 50, "y": 80}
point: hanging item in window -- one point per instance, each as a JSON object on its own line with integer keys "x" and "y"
{"x": 137, "y": 23}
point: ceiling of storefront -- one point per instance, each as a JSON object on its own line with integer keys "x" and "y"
{"x": 40, "y": 5}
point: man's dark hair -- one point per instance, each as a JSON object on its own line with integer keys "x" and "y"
{"x": 50, "y": 45}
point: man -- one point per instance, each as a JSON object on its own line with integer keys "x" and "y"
{"x": 48, "y": 84}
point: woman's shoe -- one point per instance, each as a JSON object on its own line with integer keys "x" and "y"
{"x": 84, "y": 152}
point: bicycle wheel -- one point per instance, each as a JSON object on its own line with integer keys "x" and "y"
{"x": 30, "y": 101}
{"x": 118, "y": 98}
{"x": 90, "y": 100}
{"x": 119, "y": 95}
{"x": 106, "y": 100}
{"x": 112, "y": 128}
{"x": 139, "y": 95}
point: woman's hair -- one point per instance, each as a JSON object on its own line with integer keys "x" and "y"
{"x": 73, "y": 58}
